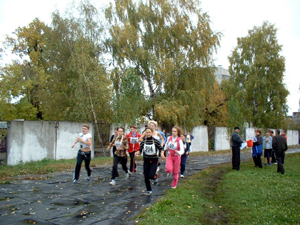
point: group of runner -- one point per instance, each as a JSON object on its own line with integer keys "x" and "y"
{"x": 152, "y": 144}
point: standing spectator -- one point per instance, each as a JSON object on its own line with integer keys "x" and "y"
{"x": 236, "y": 142}
{"x": 151, "y": 149}
{"x": 257, "y": 149}
{"x": 133, "y": 140}
{"x": 121, "y": 144}
{"x": 175, "y": 150}
{"x": 267, "y": 146}
{"x": 273, "y": 153}
{"x": 84, "y": 153}
{"x": 184, "y": 156}
{"x": 283, "y": 155}
{"x": 189, "y": 138}
{"x": 279, "y": 145}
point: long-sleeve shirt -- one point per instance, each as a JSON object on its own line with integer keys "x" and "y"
{"x": 279, "y": 143}
{"x": 133, "y": 140}
{"x": 258, "y": 140}
{"x": 236, "y": 141}
{"x": 150, "y": 147}
{"x": 172, "y": 145}
{"x": 121, "y": 142}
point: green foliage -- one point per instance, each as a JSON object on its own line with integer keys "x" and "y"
{"x": 59, "y": 75}
{"x": 130, "y": 100}
{"x": 169, "y": 44}
{"x": 256, "y": 89}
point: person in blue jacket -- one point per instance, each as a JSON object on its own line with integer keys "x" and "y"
{"x": 257, "y": 149}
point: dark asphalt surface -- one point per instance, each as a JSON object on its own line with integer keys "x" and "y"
{"x": 54, "y": 199}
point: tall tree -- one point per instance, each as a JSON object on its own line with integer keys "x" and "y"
{"x": 256, "y": 85}
{"x": 59, "y": 74}
{"x": 170, "y": 45}
{"x": 23, "y": 79}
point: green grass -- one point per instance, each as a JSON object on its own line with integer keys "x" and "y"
{"x": 219, "y": 195}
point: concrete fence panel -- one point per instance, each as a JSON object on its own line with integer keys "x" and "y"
{"x": 67, "y": 132}
{"x": 222, "y": 139}
{"x": 250, "y": 133}
{"x": 200, "y": 142}
{"x": 292, "y": 137}
{"x": 36, "y": 140}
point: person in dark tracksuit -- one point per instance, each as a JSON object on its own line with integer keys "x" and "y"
{"x": 279, "y": 145}
{"x": 184, "y": 156}
{"x": 236, "y": 142}
{"x": 151, "y": 149}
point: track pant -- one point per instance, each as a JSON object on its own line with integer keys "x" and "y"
{"x": 182, "y": 164}
{"x": 280, "y": 167}
{"x": 257, "y": 161}
{"x": 117, "y": 160}
{"x": 236, "y": 158}
{"x": 150, "y": 167}
{"x": 273, "y": 157}
{"x": 86, "y": 156}
{"x": 173, "y": 166}
{"x": 131, "y": 162}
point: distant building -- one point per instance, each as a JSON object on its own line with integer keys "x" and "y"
{"x": 296, "y": 117}
{"x": 221, "y": 74}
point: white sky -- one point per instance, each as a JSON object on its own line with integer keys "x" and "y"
{"x": 232, "y": 17}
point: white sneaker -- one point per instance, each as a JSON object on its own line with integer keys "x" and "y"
{"x": 74, "y": 181}
{"x": 126, "y": 175}
{"x": 158, "y": 168}
{"x": 113, "y": 182}
{"x": 174, "y": 187}
{"x": 181, "y": 176}
{"x": 148, "y": 193}
{"x": 88, "y": 179}
{"x": 168, "y": 174}
{"x": 130, "y": 173}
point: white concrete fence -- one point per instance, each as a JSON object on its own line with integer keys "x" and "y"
{"x": 36, "y": 140}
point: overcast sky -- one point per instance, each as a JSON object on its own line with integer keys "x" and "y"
{"x": 232, "y": 17}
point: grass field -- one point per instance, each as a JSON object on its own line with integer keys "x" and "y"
{"x": 219, "y": 195}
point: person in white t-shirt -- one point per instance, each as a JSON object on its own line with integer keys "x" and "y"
{"x": 84, "y": 153}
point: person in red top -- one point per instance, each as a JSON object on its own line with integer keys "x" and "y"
{"x": 134, "y": 146}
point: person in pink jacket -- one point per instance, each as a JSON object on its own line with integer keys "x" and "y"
{"x": 175, "y": 149}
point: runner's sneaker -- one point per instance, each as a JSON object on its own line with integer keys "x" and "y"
{"x": 181, "y": 176}
{"x": 88, "y": 178}
{"x": 168, "y": 174}
{"x": 126, "y": 175}
{"x": 148, "y": 193}
{"x": 113, "y": 182}
{"x": 174, "y": 187}
{"x": 74, "y": 181}
{"x": 130, "y": 173}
